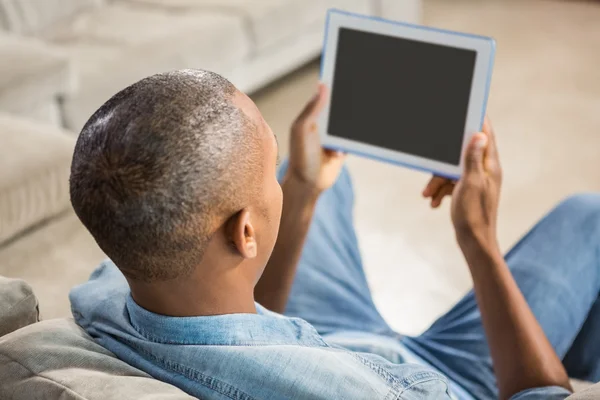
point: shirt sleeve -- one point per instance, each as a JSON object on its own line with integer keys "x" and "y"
{"x": 545, "y": 393}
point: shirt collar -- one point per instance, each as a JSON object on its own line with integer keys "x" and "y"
{"x": 264, "y": 328}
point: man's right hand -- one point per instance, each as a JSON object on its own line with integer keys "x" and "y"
{"x": 522, "y": 356}
{"x": 476, "y": 195}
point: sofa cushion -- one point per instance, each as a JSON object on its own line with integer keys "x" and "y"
{"x": 43, "y": 74}
{"x": 271, "y": 22}
{"x": 591, "y": 392}
{"x": 18, "y": 305}
{"x": 38, "y": 157}
{"x": 33, "y": 16}
{"x": 121, "y": 43}
{"x": 58, "y": 359}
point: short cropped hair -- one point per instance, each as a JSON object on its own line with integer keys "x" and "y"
{"x": 158, "y": 166}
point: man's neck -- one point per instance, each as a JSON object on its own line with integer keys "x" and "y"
{"x": 189, "y": 298}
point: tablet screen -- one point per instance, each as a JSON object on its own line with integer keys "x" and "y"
{"x": 401, "y": 94}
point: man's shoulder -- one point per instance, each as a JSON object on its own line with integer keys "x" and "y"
{"x": 298, "y": 371}
{"x": 356, "y": 374}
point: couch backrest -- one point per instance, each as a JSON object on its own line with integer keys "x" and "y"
{"x": 29, "y": 17}
{"x": 56, "y": 359}
{"x": 591, "y": 393}
{"x": 18, "y": 305}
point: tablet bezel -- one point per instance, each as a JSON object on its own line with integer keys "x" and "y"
{"x": 482, "y": 73}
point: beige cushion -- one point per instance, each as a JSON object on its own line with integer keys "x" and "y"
{"x": 33, "y": 16}
{"x": 119, "y": 44}
{"x": 43, "y": 74}
{"x": 35, "y": 160}
{"x": 590, "y": 393}
{"x": 270, "y": 22}
{"x": 57, "y": 360}
{"x": 18, "y": 305}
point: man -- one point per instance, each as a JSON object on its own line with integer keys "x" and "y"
{"x": 175, "y": 177}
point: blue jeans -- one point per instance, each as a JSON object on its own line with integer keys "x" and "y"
{"x": 556, "y": 265}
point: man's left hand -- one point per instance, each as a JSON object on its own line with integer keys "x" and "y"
{"x": 309, "y": 163}
{"x": 438, "y": 188}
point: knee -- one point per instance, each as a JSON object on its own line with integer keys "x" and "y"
{"x": 342, "y": 189}
{"x": 582, "y": 202}
{"x": 282, "y": 170}
{"x": 581, "y": 208}
{"x": 342, "y": 185}
{"x": 18, "y": 305}
{"x": 344, "y": 178}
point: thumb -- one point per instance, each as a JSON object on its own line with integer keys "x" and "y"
{"x": 475, "y": 153}
{"x": 316, "y": 104}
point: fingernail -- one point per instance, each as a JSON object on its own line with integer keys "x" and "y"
{"x": 481, "y": 142}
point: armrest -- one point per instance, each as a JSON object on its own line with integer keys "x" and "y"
{"x": 18, "y": 305}
{"x": 38, "y": 157}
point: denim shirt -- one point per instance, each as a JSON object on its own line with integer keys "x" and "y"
{"x": 256, "y": 356}
{"x": 240, "y": 356}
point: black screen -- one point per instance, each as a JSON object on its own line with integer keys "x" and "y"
{"x": 401, "y": 94}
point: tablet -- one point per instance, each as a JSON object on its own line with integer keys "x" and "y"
{"x": 403, "y": 93}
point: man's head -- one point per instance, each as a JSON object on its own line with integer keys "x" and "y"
{"x": 175, "y": 173}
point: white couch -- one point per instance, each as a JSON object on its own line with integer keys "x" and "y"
{"x": 113, "y": 43}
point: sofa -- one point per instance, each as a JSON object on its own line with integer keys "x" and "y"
{"x": 56, "y": 359}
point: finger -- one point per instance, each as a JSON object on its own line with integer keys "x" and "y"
{"x": 491, "y": 155}
{"x": 488, "y": 129}
{"x": 444, "y": 191}
{"x": 334, "y": 153}
{"x": 475, "y": 153}
{"x": 333, "y": 156}
{"x": 434, "y": 185}
{"x": 334, "y": 162}
{"x": 316, "y": 104}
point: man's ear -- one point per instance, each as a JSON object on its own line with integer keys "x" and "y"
{"x": 242, "y": 235}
